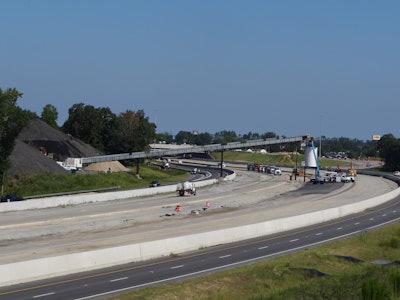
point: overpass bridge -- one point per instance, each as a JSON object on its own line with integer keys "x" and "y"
{"x": 191, "y": 149}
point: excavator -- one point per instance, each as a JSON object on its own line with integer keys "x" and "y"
{"x": 296, "y": 171}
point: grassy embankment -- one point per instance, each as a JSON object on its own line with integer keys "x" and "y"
{"x": 317, "y": 273}
{"x": 279, "y": 159}
{"x": 40, "y": 184}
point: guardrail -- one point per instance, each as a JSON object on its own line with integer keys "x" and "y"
{"x": 380, "y": 174}
{"x": 106, "y": 189}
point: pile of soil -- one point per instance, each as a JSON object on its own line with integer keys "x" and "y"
{"x": 107, "y": 167}
{"x": 39, "y": 147}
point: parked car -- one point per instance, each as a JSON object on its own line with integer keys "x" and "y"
{"x": 396, "y": 173}
{"x": 10, "y": 198}
{"x": 154, "y": 183}
{"x": 277, "y": 171}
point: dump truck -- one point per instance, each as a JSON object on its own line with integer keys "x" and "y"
{"x": 186, "y": 188}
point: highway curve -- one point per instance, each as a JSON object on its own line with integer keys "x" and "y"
{"x": 252, "y": 197}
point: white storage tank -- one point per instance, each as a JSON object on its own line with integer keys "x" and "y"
{"x": 310, "y": 156}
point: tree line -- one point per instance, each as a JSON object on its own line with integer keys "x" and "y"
{"x": 131, "y": 131}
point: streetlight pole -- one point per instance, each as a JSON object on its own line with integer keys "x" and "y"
{"x": 222, "y": 163}
{"x": 320, "y": 136}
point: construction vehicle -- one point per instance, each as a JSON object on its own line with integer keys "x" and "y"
{"x": 332, "y": 176}
{"x": 186, "y": 188}
{"x": 352, "y": 171}
{"x": 295, "y": 171}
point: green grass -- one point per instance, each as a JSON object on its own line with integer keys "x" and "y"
{"x": 285, "y": 277}
{"x": 39, "y": 184}
{"x": 277, "y": 159}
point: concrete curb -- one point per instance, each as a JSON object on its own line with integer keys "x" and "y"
{"x": 96, "y": 197}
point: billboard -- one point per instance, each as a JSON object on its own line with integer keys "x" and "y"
{"x": 376, "y": 137}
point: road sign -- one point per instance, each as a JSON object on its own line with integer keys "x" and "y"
{"x": 376, "y": 137}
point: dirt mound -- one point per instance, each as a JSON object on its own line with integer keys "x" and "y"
{"x": 28, "y": 159}
{"x": 108, "y": 166}
{"x": 39, "y": 146}
{"x": 54, "y": 142}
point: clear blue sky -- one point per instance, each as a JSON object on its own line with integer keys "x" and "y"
{"x": 292, "y": 67}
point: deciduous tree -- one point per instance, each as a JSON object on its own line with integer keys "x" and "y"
{"x": 12, "y": 120}
{"x": 136, "y": 133}
{"x": 389, "y": 151}
{"x": 50, "y": 115}
{"x": 94, "y": 126}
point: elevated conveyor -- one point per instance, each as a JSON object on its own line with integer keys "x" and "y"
{"x": 190, "y": 149}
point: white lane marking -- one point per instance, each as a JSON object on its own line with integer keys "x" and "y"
{"x": 339, "y": 228}
{"x": 225, "y": 256}
{"x": 118, "y": 279}
{"x": 371, "y": 219}
{"x": 232, "y": 264}
{"x": 177, "y": 267}
{"x": 295, "y": 240}
{"x": 319, "y": 233}
{"x": 357, "y": 223}
{"x": 43, "y": 295}
{"x": 261, "y": 248}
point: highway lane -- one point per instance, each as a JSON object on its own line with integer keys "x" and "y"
{"x": 102, "y": 284}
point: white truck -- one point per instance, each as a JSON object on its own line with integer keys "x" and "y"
{"x": 71, "y": 164}
{"x": 332, "y": 177}
{"x": 345, "y": 177}
{"x": 186, "y": 188}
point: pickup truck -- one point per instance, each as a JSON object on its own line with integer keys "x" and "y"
{"x": 348, "y": 178}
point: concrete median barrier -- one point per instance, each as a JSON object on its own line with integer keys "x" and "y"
{"x": 92, "y": 197}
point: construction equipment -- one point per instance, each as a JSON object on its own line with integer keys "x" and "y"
{"x": 352, "y": 171}
{"x": 186, "y": 188}
{"x": 295, "y": 171}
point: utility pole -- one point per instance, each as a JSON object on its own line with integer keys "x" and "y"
{"x": 320, "y": 136}
{"x": 222, "y": 163}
